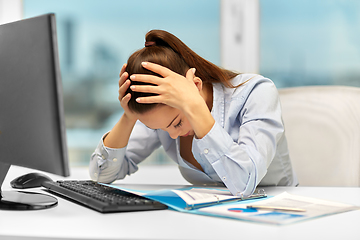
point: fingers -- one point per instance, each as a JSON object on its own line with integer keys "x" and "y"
{"x": 161, "y": 70}
{"x": 190, "y": 74}
{"x": 123, "y": 88}
{"x": 123, "y": 75}
{"x": 122, "y": 69}
{"x": 156, "y": 68}
{"x": 123, "y": 78}
{"x": 146, "y": 78}
{"x": 124, "y": 101}
{"x": 151, "y": 99}
{"x": 146, "y": 89}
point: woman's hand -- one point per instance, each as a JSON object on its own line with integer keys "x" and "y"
{"x": 124, "y": 84}
{"x": 119, "y": 135}
{"x": 173, "y": 89}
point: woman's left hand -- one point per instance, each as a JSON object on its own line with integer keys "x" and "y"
{"x": 173, "y": 89}
{"x": 177, "y": 91}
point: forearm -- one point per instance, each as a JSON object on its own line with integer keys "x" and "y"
{"x": 234, "y": 163}
{"x": 119, "y": 136}
{"x": 108, "y": 164}
{"x": 199, "y": 117}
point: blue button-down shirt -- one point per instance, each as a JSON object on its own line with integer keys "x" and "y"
{"x": 245, "y": 148}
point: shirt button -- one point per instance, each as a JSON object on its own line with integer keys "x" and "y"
{"x": 224, "y": 178}
{"x": 206, "y": 151}
{"x": 103, "y": 157}
{"x": 114, "y": 159}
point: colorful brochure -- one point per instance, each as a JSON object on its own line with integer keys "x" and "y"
{"x": 282, "y": 209}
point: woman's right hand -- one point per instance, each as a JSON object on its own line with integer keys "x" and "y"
{"x": 119, "y": 135}
{"x": 124, "y": 84}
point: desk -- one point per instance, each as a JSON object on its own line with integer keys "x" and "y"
{"x": 71, "y": 221}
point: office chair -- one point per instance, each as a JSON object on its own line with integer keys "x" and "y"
{"x": 322, "y": 126}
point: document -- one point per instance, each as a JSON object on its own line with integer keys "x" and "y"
{"x": 195, "y": 196}
{"x": 282, "y": 209}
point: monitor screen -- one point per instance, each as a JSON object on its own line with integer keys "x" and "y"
{"x": 32, "y": 125}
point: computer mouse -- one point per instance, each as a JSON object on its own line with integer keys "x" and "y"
{"x": 30, "y": 180}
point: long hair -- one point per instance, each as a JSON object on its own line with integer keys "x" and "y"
{"x": 165, "y": 49}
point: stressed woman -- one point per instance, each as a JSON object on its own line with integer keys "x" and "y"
{"x": 220, "y": 127}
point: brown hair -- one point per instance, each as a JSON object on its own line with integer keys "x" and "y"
{"x": 165, "y": 49}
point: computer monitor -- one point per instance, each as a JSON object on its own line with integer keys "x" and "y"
{"x": 32, "y": 125}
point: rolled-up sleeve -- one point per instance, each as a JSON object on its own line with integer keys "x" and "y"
{"x": 110, "y": 164}
{"x": 230, "y": 161}
{"x": 241, "y": 154}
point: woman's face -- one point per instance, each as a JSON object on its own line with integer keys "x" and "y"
{"x": 169, "y": 119}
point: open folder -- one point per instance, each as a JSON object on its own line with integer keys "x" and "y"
{"x": 281, "y": 209}
{"x": 190, "y": 198}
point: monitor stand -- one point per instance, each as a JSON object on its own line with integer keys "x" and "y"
{"x": 19, "y": 200}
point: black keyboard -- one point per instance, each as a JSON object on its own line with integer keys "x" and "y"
{"x": 101, "y": 198}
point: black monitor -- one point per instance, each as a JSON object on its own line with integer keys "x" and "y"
{"x": 32, "y": 125}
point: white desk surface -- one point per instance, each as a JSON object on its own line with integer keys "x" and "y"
{"x": 71, "y": 221}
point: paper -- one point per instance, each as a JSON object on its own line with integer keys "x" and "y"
{"x": 313, "y": 208}
{"x": 200, "y": 195}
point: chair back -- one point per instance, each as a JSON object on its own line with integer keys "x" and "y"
{"x": 322, "y": 126}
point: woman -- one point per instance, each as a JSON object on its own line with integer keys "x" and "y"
{"x": 220, "y": 127}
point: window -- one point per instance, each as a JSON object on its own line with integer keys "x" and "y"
{"x": 310, "y": 42}
{"x": 294, "y": 43}
{"x": 95, "y": 39}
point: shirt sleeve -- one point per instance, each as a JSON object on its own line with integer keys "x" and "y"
{"x": 109, "y": 164}
{"x": 241, "y": 162}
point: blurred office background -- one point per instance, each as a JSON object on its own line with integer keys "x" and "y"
{"x": 295, "y": 43}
